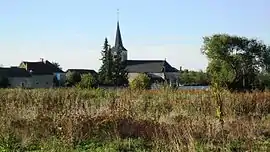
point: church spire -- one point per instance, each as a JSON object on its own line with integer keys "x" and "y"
{"x": 118, "y": 38}
{"x": 118, "y": 47}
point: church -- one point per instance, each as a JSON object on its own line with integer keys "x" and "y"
{"x": 157, "y": 70}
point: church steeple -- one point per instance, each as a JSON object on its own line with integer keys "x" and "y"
{"x": 118, "y": 42}
{"x": 118, "y": 38}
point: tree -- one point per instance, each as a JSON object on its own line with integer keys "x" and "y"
{"x": 263, "y": 81}
{"x": 201, "y": 78}
{"x": 234, "y": 61}
{"x": 186, "y": 78}
{"x": 194, "y": 78}
{"x": 112, "y": 71}
{"x": 120, "y": 75}
{"x": 142, "y": 81}
{"x": 105, "y": 71}
{"x": 57, "y": 65}
{"x": 88, "y": 81}
{"x": 73, "y": 78}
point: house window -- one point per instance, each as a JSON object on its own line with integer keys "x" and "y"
{"x": 47, "y": 82}
{"x": 37, "y": 83}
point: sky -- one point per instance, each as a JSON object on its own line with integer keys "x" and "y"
{"x": 72, "y": 32}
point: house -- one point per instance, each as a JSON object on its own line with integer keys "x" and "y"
{"x": 17, "y": 77}
{"x": 157, "y": 70}
{"x": 43, "y": 73}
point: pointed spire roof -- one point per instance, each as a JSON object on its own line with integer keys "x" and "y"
{"x": 118, "y": 38}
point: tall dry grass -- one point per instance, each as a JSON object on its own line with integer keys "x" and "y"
{"x": 164, "y": 120}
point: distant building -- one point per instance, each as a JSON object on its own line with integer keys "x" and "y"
{"x": 43, "y": 73}
{"x": 17, "y": 77}
{"x": 157, "y": 70}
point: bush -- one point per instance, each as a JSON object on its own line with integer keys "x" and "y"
{"x": 73, "y": 78}
{"x": 263, "y": 81}
{"x": 142, "y": 81}
{"x": 87, "y": 81}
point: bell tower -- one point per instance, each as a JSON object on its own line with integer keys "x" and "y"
{"x": 118, "y": 46}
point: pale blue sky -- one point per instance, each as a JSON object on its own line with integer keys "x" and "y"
{"x": 72, "y": 32}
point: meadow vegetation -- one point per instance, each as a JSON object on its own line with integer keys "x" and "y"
{"x": 133, "y": 120}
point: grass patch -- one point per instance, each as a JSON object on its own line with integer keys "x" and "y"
{"x": 129, "y": 120}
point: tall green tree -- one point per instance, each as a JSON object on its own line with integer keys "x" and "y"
{"x": 234, "y": 61}
{"x": 105, "y": 71}
{"x": 112, "y": 70}
{"x": 120, "y": 75}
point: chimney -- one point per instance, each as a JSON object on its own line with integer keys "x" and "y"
{"x": 180, "y": 68}
{"x": 42, "y": 60}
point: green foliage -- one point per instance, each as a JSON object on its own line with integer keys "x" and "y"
{"x": 73, "y": 78}
{"x": 136, "y": 145}
{"x": 220, "y": 72}
{"x": 142, "y": 81}
{"x": 4, "y": 82}
{"x": 235, "y": 61}
{"x": 105, "y": 71}
{"x": 263, "y": 81}
{"x": 53, "y": 144}
{"x": 112, "y": 71}
{"x": 87, "y": 81}
{"x": 120, "y": 75}
{"x": 194, "y": 78}
{"x": 10, "y": 143}
{"x": 57, "y": 65}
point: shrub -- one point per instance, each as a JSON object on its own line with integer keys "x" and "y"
{"x": 87, "y": 81}
{"x": 142, "y": 81}
{"x": 73, "y": 78}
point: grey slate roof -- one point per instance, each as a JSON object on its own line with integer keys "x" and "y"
{"x": 14, "y": 72}
{"x": 39, "y": 68}
{"x": 83, "y": 71}
{"x": 154, "y": 66}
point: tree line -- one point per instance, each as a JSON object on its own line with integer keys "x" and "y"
{"x": 235, "y": 62}
{"x": 193, "y": 78}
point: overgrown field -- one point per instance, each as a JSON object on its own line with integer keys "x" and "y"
{"x": 125, "y": 120}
